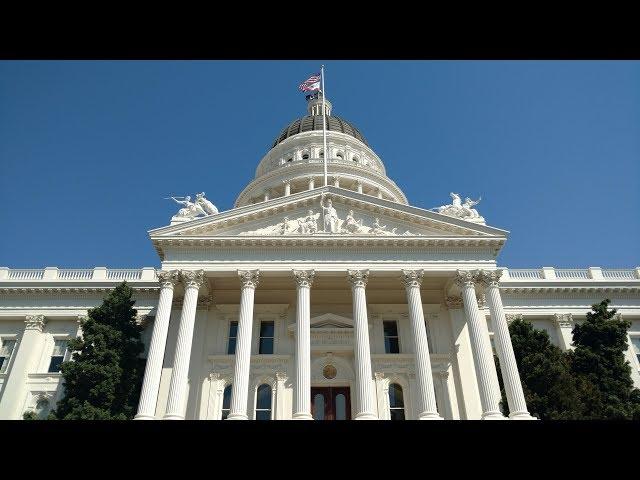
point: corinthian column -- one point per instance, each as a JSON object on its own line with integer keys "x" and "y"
{"x": 178, "y": 386}
{"x": 302, "y": 392}
{"x": 365, "y": 409}
{"x": 29, "y": 348}
{"x": 427, "y": 409}
{"x": 153, "y": 369}
{"x": 485, "y": 366}
{"x": 508, "y": 367}
{"x": 240, "y": 390}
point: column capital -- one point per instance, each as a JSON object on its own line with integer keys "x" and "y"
{"x": 286, "y": 182}
{"x": 82, "y": 318}
{"x": 453, "y": 302}
{"x": 465, "y": 278}
{"x": 513, "y": 316}
{"x": 563, "y": 320}
{"x": 412, "y": 278}
{"x": 249, "y": 278}
{"x": 304, "y": 278}
{"x": 214, "y": 376}
{"x": 168, "y": 279}
{"x": 379, "y": 376}
{"x": 35, "y": 322}
{"x": 281, "y": 376}
{"x": 489, "y": 278}
{"x": 192, "y": 278}
{"x": 358, "y": 278}
{"x": 443, "y": 374}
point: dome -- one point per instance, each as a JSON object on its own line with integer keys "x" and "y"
{"x": 314, "y": 122}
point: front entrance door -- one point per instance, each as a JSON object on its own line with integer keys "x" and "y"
{"x": 330, "y": 403}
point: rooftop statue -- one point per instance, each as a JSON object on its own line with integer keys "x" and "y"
{"x": 461, "y": 210}
{"x": 191, "y": 210}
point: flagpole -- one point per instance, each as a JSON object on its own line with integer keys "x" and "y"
{"x": 324, "y": 127}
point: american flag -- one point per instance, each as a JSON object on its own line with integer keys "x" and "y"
{"x": 311, "y": 83}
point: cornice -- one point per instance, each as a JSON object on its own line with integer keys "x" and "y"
{"x": 533, "y": 289}
{"x": 67, "y": 289}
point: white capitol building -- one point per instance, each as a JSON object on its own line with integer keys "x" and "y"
{"x": 312, "y": 301}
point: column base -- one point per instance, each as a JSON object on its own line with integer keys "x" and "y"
{"x": 237, "y": 416}
{"x": 302, "y": 416}
{"x": 144, "y": 416}
{"x": 521, "y": 416}
{"x": 365, "y": 416}
{"x": 493, "y": 416}
{"x": 429, "y": 416}
{"x": 173, "y": 416}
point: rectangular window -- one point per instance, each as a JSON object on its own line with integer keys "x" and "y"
{"x": 635, "y": 343}
{"x": 58, "y": 356}
{"x": 266, "y": 337}
{"x": 233, "y": 335}
{"x": 391, "y": 339}
{"x": 6, "y": 350}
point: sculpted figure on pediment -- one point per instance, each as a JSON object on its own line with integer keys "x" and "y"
{"x": 461, "y": 210}
{"x": 309, "y": 224}
{"x": 350, "y": 224}
{"x": 331, "y": 220}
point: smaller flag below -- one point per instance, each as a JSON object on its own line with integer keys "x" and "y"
{"x": 311, "y": 83}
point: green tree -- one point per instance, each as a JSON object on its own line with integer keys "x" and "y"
{"x": 598, "y": 362}
{"x": 550, "y": 390}
{"x": 103, "y": 380}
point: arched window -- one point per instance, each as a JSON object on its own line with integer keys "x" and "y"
{"x": 396, "y": 402}
{"x": 226, "y": 402}
{"x": 340, "y": 156}
{"x": 305, "y": 156}
{"x": 356, "y": 159}
{"x": 263, "y": 402}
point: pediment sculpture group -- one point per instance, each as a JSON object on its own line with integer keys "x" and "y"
{"x": 331, "y": 223}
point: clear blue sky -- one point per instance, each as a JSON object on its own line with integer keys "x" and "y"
{"x": 89, "y": 149}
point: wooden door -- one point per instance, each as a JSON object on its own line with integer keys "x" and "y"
{"x": 331, "y": 403}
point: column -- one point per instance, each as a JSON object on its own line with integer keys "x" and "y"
{"x": 426, "y": 408}
{"x": 28, "y": 351}
{"x": 336, "y": 181}
{"x": 508, "y": 366}
{"x": 287, "y": 187}
{"x": 266, "y": 196}
{"x": 379, "y": 193}
{"x": 178, "y": 387}
{"x": 359, "y": 186}
{"x": 311, "y": 183}
{"x": 443, "y": 375}
{"x": 280, "y": 412}
{"x": 240, "y": 391}
{"x": 483, "y": 357}
{"x": 302, "y": 392}
{"x": 364, "y": 395}
{"x": 565, "y": 324}
{"x": 155, "y": 357}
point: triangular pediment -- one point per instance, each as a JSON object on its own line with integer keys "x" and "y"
{"x": 327, "y": 321}
{"x": 302, "y": 216}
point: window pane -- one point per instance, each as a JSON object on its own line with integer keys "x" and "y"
{"x": 390, "y": 329}
{"x": 7, "y": 347}
{"x": 231, "y": 348}
{"x": 635, "y": 341}
{"x": 233, "y": 329}
{"x": 391, "y": 345}
{"x": 263, "y": 414}
{"x": 396, "y": 399}
{"x": 341, "y": 407}
{"x": 266, "y": 345}
{"x": 59, "y": 348}
{"x": 263, "y": 400}
{"x": 318, "y": 407}
{"x": 54, "y": 366}
{"x": 266, "y": 329}
{"x": 397, "y": 414}
{"x": 226, "y": 402}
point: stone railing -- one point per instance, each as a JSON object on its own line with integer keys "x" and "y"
{"x": 550, "y": 273}
{"x": 78, "y": 274}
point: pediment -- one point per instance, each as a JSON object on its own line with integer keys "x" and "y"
{"x": 301, "y": 216}
{"x": 328, "y": 322}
